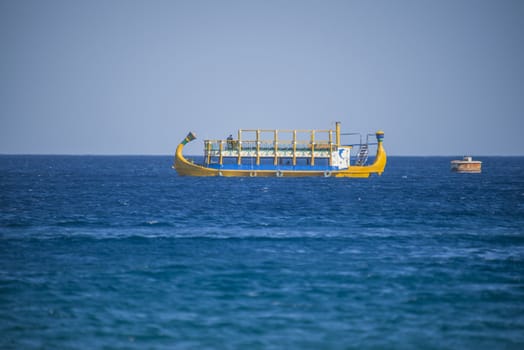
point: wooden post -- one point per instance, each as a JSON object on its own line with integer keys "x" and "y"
{"x": 220, "y": 147}
{"x": 208, "y": 152}
{"x": 330, "y": 146}
{"x": 312, "y": 147}
{"x": 258, "y": 147}
{"x": 294, "y": 147}
{"x": 239, "y": 147}
{"x": 275, "y": 161}
{"x": 337, "y": 130}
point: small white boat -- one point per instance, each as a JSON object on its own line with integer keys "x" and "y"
{"x": 466, "y": 165}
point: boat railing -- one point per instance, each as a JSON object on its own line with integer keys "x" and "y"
{"x": 373, "y": 137}
{"x": 262, "y": 143}
{"x": 251, "y": 145}
{"x": 361, "y": 146}
{"x": 248, "y": 145}
{"x": 216, "y": 151}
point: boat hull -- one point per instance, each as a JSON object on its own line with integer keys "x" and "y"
{"x": 466, "y": 167}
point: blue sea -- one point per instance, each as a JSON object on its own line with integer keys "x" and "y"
{"x": 118, "y": 252}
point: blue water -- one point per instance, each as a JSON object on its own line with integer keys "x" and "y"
{"x": 120, "y": 252}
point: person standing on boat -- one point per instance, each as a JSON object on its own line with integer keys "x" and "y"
{"x": 230, "y": 142}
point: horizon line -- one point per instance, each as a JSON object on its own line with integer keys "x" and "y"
{"x": 193, "y": 155}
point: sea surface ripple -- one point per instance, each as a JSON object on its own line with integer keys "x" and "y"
{"x": 120, "y": 252}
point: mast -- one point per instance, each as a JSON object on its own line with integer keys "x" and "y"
{"x": 337, "y": 135}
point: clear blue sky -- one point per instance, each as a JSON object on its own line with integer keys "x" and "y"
{"x": 132, "y": 77}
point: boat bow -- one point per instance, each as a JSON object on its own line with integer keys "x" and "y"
{"x": 185, "y": 167}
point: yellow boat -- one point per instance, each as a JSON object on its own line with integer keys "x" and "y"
{"x": 285, "y": 154}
